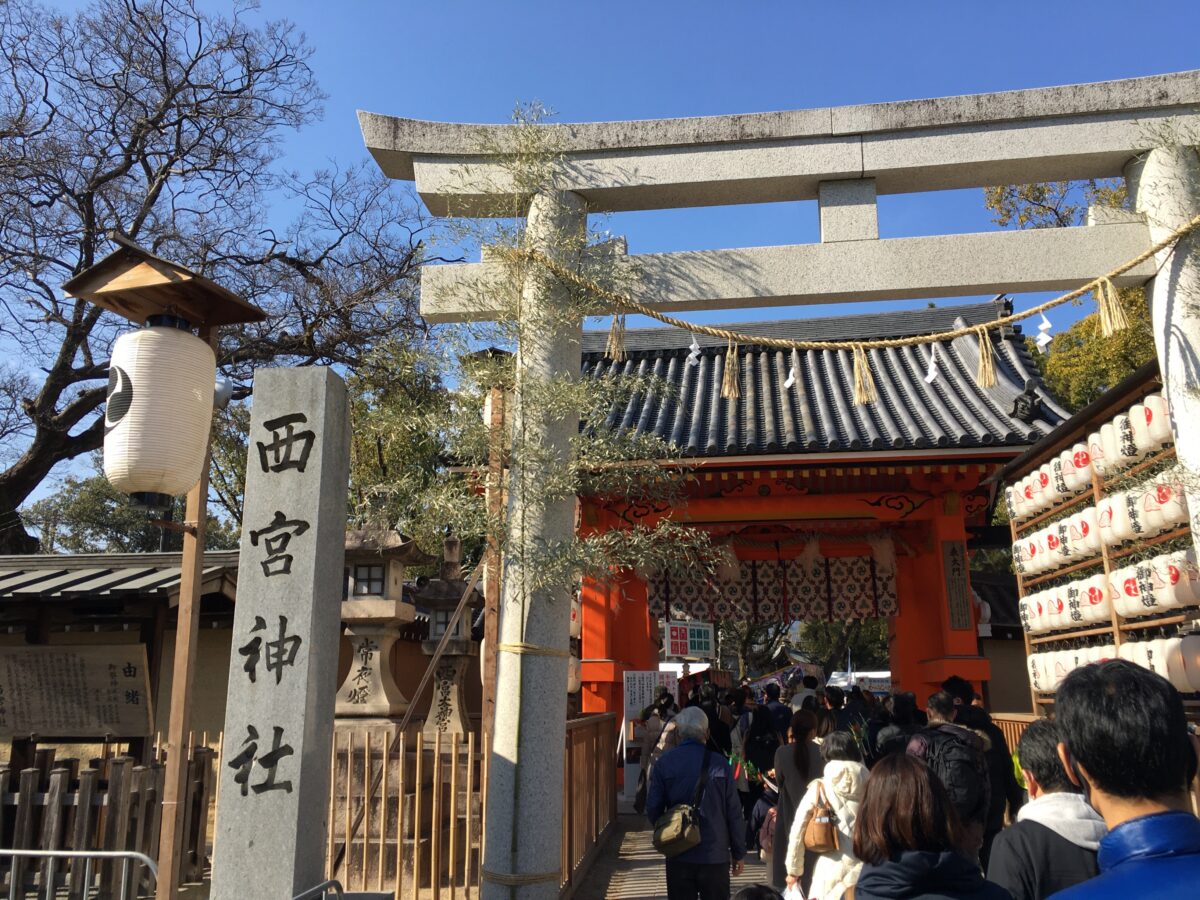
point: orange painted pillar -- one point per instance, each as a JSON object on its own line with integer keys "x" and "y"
{"x": 934, "y": 636}
{"x": 617, "y": 636}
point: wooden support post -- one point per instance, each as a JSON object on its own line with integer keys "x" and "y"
{"x": 187, "y": 630}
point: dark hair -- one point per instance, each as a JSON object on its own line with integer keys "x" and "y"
{"x": 1125, "y": 725}
{"x": 856, "y": 692}
{"x": 761, "y": 722}
{"x": 809, "y": 703}
{"x": 960, "y": 689}
{"x": 904, "y": 708}
{"x": 826, "y": 723}
{"x": 801, "y": 730}
{"x": 942, "y": 703}
{"x": 772, "y": 691}
{"x": 835, "y": 695}
{"x": 810, "y": 682}
{"x": 904, "y": 807}
{"x": 1038, "y": 752}
{"x": 841, "y": 745}
{"x": 757, "y": 892}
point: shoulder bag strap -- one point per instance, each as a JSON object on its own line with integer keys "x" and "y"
{"x": 703, "y": 779}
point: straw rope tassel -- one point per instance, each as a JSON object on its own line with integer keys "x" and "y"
{"x": 1112, "y": 314}
{"x": 615, "y": 349}
{"x": 730, "y": 382}
{"x": 985, "y": 376}
{"x": 864, "y": 379}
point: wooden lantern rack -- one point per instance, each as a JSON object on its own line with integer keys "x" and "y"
{"x": 1119, "y": 627}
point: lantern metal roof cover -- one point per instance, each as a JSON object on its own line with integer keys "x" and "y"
{"x": 135, "y": 284}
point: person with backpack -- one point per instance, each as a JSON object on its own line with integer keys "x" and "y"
{"x": 1006, "y": 795}
{"x": 693, "y": 776}
{"x": 893, "y": 737}
{"x": 758, "y": 750}
{"x": 956, "y": 756}
{"x": 836, "y": 796}
{"x": 796, "y": 764}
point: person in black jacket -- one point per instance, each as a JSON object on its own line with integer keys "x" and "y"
{"x": 956, "y": 756}
{"x": 893, "y": 736}
{"x": 1053, "y": 843}
{"x": 1002, "y": 781}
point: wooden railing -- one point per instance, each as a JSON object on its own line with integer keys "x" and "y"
{"x": 1013, "y": 725}
{"x": 421, "y": 829}
{"x": 589, "y": 794}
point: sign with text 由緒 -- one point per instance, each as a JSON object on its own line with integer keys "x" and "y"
{"x": 69, "y": 690}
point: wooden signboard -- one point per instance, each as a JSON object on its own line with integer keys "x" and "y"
{"x": 958, "y": 585}
{"x": 75, "y": 691}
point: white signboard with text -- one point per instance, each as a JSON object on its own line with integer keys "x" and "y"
{"x": 641, "y": 689}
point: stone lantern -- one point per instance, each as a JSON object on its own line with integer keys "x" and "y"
{"x": 374, "y": 610}
{"x": 441, "y": 596}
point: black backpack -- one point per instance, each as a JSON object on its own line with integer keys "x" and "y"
{"x": 962, "y": 770}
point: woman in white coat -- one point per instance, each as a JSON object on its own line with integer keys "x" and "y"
{"x": 843, "y": 783}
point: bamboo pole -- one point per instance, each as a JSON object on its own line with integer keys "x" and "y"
{"x": 416, "y": 884}
{"x": 453, "y": 857}
{"x": 400, "y": 819}
{"x": 468, "y": 831}
{"x": 383, "y": 812}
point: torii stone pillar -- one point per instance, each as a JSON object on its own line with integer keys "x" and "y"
{"x": 525, "y": 792}
{"x": 1165, "y": 187}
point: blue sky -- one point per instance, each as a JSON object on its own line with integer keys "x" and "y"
{"x": 456, "y": 60}
{"x": 473, "y": 61}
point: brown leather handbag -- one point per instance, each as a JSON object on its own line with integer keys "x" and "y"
{"x": 821, "y": 827}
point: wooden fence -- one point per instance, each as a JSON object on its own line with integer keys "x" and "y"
{"x": 411, "y": 822}
{"x": 1013, "y": 725}
{"x": 589, "y": 794}
{"x": 111, "y": 804}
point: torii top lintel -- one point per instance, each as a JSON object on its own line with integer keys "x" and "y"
{"x": 1012, "y": 137}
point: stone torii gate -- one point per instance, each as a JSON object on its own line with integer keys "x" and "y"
{"x": 842, "y": 157}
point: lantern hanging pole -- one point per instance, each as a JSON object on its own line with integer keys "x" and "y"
{"x": 187, "y": 631}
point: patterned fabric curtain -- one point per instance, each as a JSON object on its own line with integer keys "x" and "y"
{"x": 823, "y": 590}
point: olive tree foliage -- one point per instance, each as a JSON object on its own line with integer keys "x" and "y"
{"x": 89, "y": 515}
{"x": 1081, "y": 363}
{"x": 420, "y": 446}
{"x": 162, "y": 122}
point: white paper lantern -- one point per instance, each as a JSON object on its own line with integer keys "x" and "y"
{"x": 574, "y": 676}
{"x": 1099, "y": 459}
{"x": 576, "y": 616}
{"x": 1171, "y": 650}
{"x": 1085, "y": 531}
{"x": 160, "y": 408}
{"x": 1140, "y": 423}
{"x": 1158, "y": 419}
{"x": 1190, "y": 650}
{"x": 1037, "y": 671}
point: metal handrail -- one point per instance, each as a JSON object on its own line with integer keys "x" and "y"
{"x": 126, "y": 857}
{"x": 320, "y": 889}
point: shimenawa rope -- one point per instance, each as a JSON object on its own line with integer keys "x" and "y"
{"x": 1112, "y": 319}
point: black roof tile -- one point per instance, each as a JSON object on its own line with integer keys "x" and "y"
{"x": 817, "y": 414}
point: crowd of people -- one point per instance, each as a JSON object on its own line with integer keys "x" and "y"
{"x": 849, "y": 796}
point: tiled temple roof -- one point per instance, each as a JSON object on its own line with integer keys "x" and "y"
{"x": 817, "y": 414}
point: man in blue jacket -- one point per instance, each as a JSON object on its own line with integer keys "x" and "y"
{"x": 702, "y": 872}
{"x": 1124, "y": 741}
